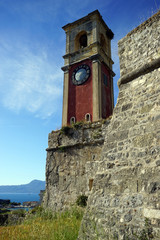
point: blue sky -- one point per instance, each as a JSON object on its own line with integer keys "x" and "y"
{"x": 32, "y": 44}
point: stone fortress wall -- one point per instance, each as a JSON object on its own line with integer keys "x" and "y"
{"x": 120, "y": 158}
{"x": 125, "y": 197}
{"x": 72, "y": 158}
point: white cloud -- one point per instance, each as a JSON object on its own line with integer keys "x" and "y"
{"x": 29, "y": 81}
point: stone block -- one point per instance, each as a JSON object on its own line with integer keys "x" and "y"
{"x": 143, "y": 140}
{"x": 151, "y": 213}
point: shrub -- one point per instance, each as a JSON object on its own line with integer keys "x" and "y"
{"x": 66, "y": 130}
{"x": 82, "y": 201}
{"x": 15, "y": 203}
{"x": 19, "y": 212}
{"x": 78, "y": 125}
{"x": 61, "y": 149}
{"x": 37, "y": 209}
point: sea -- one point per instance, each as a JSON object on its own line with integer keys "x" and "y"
{"x": 20, "y": 197}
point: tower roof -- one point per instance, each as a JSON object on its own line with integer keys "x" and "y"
{"x": 95, "y": 14}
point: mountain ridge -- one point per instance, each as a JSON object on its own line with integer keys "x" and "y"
{"x": 32, "y": 187}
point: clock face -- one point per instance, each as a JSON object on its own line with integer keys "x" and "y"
{"x": 81, "y": 74}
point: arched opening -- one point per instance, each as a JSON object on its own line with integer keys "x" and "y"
{"x": 72, "y": 120}
{"x": 81, "y": 40}
{"x": 87, "y": 117}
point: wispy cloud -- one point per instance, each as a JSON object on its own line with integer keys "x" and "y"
{"x": 29, "y": 81}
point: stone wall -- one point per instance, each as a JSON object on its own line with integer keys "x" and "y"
{"x": 140, "y": 46}
{"x": 72, "y": 158}
{"x": 125, "y": 198}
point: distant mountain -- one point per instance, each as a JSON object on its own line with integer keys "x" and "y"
{"x": 33, "y": 187}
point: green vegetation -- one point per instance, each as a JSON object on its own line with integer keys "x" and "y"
{"x": 4, "y": 211}
{"x": 15, "y": 203}
{"x": 19, "y": 212}
{"x": 40, "y": 224}
{"x": 61, "y": 149}
{"x": 66, "y": 130}
{"x": 97, "y": 134}
{"x": 78, "y": 125}
{"x": 82, "y": 201}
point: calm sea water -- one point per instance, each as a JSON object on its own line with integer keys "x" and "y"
{"x": 20, "y": 197}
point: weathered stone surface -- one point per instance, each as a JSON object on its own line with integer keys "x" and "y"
{"x": 141, "y": 46}
{"x": 72, "y": 160}
{"x": 126, "y": 188}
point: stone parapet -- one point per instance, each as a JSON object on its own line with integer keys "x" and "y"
{"x": 79, "y": 134}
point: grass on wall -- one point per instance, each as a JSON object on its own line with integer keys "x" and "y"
{"x": 43, "y": 225}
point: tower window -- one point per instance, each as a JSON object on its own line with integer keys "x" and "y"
{"x": 72, "y": 120}
{"x": 80, "y": 40}
{"x": 88, "y": 117}
{"x": 105, "y": 79}
{"x": 83, "y": 41}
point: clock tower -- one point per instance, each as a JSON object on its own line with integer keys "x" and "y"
{"x": 88, "y": 75}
